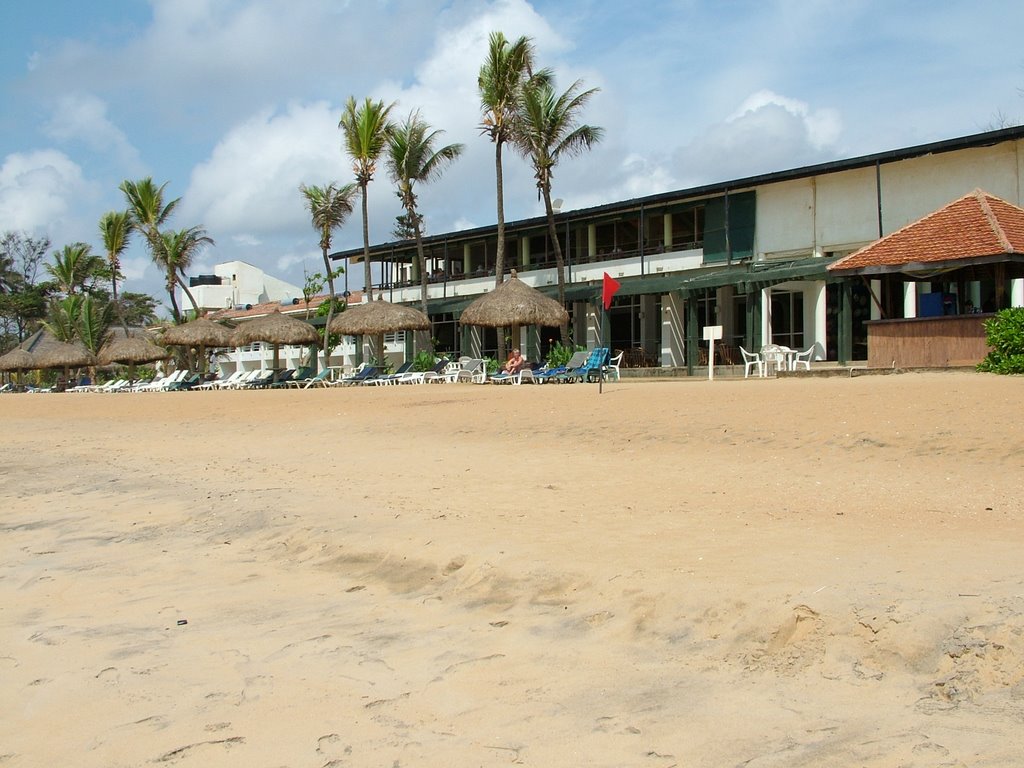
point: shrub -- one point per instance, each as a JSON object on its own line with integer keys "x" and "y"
{"x": 560, "y": 354}
{"x": 1005, "y": 334}
{"x": 423, "y": 361}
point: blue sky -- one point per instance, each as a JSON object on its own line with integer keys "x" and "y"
{"x": 235, "y": 104}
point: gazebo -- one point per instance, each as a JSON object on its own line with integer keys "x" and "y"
{"x": 966, "y": 254}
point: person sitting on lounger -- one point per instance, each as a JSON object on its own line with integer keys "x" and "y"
{"x": 514, "y": 363}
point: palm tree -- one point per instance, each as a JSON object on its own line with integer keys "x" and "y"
{"x": 116, "y": 229}
{"x": 74, "y": 266}
{"x": 412, "y": 158}
{"x": 366, "y": 128}
{"x": 505, "y": 70}
{"x": 329, "y": 208}
{"x": 177, "y": 252}
{"x": 148, "y": 213}
{"x": 63, "y": 316}
{"x": 547, "y": 130}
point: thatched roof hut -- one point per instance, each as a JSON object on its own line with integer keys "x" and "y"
{"x": 131, "y": 350}
{"x": 379, "y": 317}
{"x": 514, "y": 303}
{"x": 201, "y": 332}
{"x": 276, "y": 329}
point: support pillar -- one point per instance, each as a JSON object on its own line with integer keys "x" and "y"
{"x": 673, "y": 340}
{"x": 909, "y": 300}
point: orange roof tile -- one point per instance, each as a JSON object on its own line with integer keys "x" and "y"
{"x": 977, "y": 225}
{"x": 267, "y": 307}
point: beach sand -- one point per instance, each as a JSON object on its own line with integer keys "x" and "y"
{"x": 792, "y": 572}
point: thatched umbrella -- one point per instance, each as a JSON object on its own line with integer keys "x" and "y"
{"x": 514, "y": 303}
{"x": 50, "y": 353}
{"x": 19, "y": 360}
{"x": 276, "y": 329}
{"x": 131, "y": 350}
{"x": 60, "y": 354}
{"x": 201, "y": 332}
{"x": 379, "y": 317}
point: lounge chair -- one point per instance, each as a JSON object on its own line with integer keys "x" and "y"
{"x": 394, "y": 377}
{"x": 591, "y": 367}
{"x": 447, "y": 374}
{"x": 473, "y": 370}
{"x": 363, "y": 375}
{"x": 320, "y": 379}
{"x": 559, "y": 372}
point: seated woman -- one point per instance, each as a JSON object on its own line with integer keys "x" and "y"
{"x": 514, "y": 363}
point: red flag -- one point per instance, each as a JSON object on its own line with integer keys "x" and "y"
{"x": 611, "y": 287}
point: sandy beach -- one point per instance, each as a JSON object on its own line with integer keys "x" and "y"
{"x": 793, "y": 572}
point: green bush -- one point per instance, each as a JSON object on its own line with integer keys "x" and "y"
{"x": 560, "y": 354}
{"x": 423, "y": 361}
{"x": 1005, "y": 334}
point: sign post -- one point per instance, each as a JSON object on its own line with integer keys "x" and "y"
{"x": 712, "y": 333}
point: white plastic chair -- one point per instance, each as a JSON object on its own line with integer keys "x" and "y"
{"x": 803, "y": 358}
{"x": 751, "y": 360}
{"x": 613, "y": 365}
{"x": 772, "y": 356}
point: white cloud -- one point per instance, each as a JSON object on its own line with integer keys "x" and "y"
{"x": 83, "y": 118}
{"x": 768, "y": 132}
{"x": 249, "y": 186}
{"x": 38, "y": 189}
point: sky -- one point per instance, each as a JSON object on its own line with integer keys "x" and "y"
{"x": 235, "y": 103}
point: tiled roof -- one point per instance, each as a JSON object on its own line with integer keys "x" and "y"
{"x": 977, "y": 225}
{"x": 266, "y": 308}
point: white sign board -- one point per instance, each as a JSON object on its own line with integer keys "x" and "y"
{"x": 712, "y": 332}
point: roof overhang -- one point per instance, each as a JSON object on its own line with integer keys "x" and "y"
{"x": 923, "y": 270}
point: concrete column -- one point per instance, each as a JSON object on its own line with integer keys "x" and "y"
{"x": 673, "y": 331}
{"x": 909, "y": 300}
{"x": 814, "y": 303}
{"x": 591, "y": 241}
{"x": 524, "y": 251}
{"x": 466, "y": 268}
{"x": 766, "y": 316}
{"x": 1016, "y": 293}
{"x": 593, "y": 319}
{"x": 876, "y": 291}
{"x": 667, "y": 231}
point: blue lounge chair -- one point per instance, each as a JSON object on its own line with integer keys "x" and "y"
{"x": 595, "y": 361}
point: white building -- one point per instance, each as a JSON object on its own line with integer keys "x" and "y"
{"x": 238, "y": 284}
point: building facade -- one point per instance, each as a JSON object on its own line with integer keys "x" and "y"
{"x": 749, "y": 254}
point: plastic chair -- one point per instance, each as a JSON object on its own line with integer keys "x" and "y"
{"x": 772, "y": 356}
{"x": 613, "y": 366}
{"x": 803, "y": 358}
{"x": 751, "y": 360}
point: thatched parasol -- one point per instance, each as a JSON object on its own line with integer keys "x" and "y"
{"x": 18, "y": 359}
{"x": 379, "y": 317}
{"x": 276, "y": 329}
{"x": 131, "y": 350}
{"x": 59, "y": 354}
{"x": 514, "y": 303}
{"x": 201, "y": 332}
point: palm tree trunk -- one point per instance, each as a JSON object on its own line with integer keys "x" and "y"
{"x": 559, "y": 259}
{"x": 499, "y": 258}
{"x": 421, "y": 256}
{"x": 330, "y": 309}
{"x": 113, "y": 293}
{"x": 187, "y": 292}
{"x": 170, "y": 286}
{"x": 367, "y": 274}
